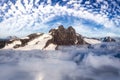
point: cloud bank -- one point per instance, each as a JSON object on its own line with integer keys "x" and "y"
{"x": 24, "y": 17}
{"x": 69, "y": 63}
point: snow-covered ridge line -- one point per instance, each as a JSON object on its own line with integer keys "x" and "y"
{"x": 21, "y": 42}
{"x": 51, "y": 41}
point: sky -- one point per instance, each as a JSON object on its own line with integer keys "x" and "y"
{"x": 91, "y": 18}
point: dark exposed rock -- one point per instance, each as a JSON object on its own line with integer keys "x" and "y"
{"x": 80, "y": 40}
{"x": 12, "y": 37}
{"x": 71, "y": 36}
{"x": 109, "y": 39}
{"x": 11, "y": 41}
{"x": 23, "y": 41}
{"x": 17, "y": 46}
{"x": 2, "y": 44}
{"x": 30, "y": 37}
{"x": 62, "y": 36}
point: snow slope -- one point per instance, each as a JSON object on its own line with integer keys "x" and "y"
{"x": 36, "y": 43}
{"x": 92, "y": 41}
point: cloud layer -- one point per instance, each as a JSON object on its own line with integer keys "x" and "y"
{"x": 100, "y": 62}
{"x": 24, "y": 17}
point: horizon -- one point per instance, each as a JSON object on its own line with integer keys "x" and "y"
{"x": 19, "y": 37}
{"x": 94, "y": 18}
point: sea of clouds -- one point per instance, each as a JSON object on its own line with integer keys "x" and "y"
{"x": 94, "y": 62}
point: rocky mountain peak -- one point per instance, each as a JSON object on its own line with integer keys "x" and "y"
{"x": 108, "y": 39}
{"x": 56, "y": 37}
{"x": 63, "y": 36}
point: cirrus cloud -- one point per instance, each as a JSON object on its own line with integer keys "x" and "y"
{"x": 23, "y": 17}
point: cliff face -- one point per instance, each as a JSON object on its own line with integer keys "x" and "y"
{"x": 62, "y": 36}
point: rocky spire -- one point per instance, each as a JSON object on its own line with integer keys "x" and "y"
{"x": 62, "y": 36}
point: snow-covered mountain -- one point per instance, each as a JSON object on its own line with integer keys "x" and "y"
{"x": 33, "y": 41}
{"x": 50, "y": 41}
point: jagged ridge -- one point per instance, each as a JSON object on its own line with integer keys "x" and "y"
{"x": 55, "y": 38}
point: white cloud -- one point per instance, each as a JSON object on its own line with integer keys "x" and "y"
{"x": 99, "y": 1}
{"x": 26, "y": 16}
{"x": 89, "y": 31}
{"x": 69, "y": 63}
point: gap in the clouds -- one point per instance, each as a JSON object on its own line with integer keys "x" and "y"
{"x": 62, "y": 20}
{"x": 60, "y": 2}
{"x": 72, "y": 21}
{"x": 2, "y": 2}
{"x": 91, "y": 24}
{"x": 13, "y": 1}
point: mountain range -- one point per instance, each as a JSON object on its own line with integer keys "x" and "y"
{"x": 51, "y": 41}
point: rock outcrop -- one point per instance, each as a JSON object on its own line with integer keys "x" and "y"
{"x": 21, "y": 42}
{"x": 56, "y": 37}
{"x": 2, "y": 44}
{"x": 62, "y": 36}
{"x": 108, "y": 39}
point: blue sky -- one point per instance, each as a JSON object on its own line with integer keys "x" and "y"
{"x": 92, "y": 18}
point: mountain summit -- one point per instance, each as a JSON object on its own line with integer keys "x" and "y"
{"x": 51, "y": 41}
{"x": 62, "y": 36}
